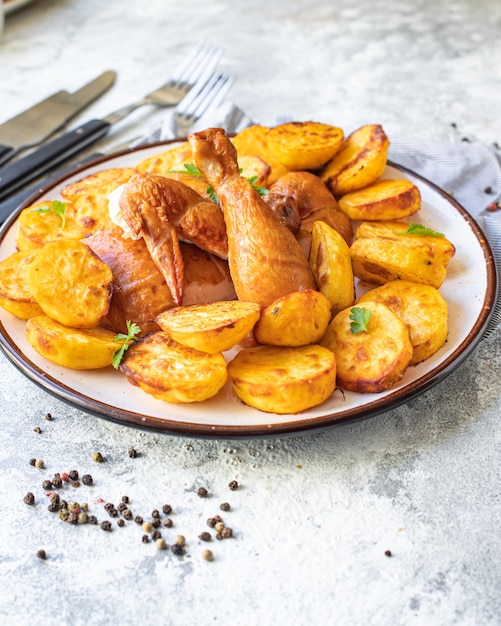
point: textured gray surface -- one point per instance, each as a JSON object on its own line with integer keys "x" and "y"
{"x": 314, "y": 514}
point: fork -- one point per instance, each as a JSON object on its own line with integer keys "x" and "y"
{"x": 194, "y": 75}
{"x": 195, "y": 104}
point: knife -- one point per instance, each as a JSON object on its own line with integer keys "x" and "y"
{"x": 42, "y": 120}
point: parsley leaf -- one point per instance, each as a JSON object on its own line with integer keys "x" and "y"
{"x": 419, "y": 229}
{"x": 262, "y": 191}
{"x": 360, "y": 317}
{"x": 128, "y": 339}
{"x": 57, "y": 207}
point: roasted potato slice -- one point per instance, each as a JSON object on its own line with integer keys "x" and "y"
{"x": 421, "y": 307}
{"x": 296, "y": 319}
{"x": 304, "y": 145}
{"x": 378, "y": 261}
{"x": 102, "y": 182}
{"x": 168, "y": 161}
{"x": 437, "y": 247}
{"x": 334, "y": 218}
{"x": 213, "y": 327}
{"x": 253, "y": 167}
{"x": 383, "y": 200}
{"x": 15, "y": 295}
{"x": 71, "y": 284}
{"x": 283, "y": 380}
{"x": 45, "y": 221}
{"x": 253, "y": 141}
{"x": 360, "y": 161}
{"x": 330, "y": 262}
{"x": 371, "y": 360}
{"x": 171, "y": 372}
{"x": 79, "y": 349}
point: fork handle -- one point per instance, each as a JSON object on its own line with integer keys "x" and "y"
{"x": 6, "y": 152}
{"x": 26, "y": 169}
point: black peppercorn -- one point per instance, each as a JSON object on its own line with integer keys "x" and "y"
{"x": 205, "y": 536}
{"x": 47, "y": 485}
{"x": 41, "y": 554}
{"x": 120, "y": 522}
{"x": 233, "y": 485}
{"x": 155, "y": 513}
{"x": 132, "y": 453}
{"x": 202, "y": 492}
{"x": 211, "y": 522}
{"x": 145, "y": 539}
{"x": 48, "y": 417}
{"x": 73, "y": 474}
{"x": 29, "y": 498}
{"x": 92, "y": 519}
{"x": 177, "y": 549}
{"x": 125, "y": 499}
{"x": 108, "y": 506}
{"x": 168, "y": 522}
{"x": 106, "y": 525}
{"x": 224, "y": 506}
{"x": 156, "y": 522}
{"x": 72, "y": 518}
{"x": 57, "y": 481}
{"x": 87, "y": 479}
{"x": 53, "y": 507}
{"x": 127, "y": 514}
{"x": 37, "y": 429}
{"x": 138, "y": 519}
{"x": 156, "y": 534}
{"x": 121, "y": 506}
{"x": 167, "y": 509}
{"x": 33, "y": 461}
{"x": 387, "y": 552}
{"x": 227, "y": 532}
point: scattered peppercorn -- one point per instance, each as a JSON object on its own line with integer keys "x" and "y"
{"x": 147, "y": 527}
{"x": 488, "y": 190}
{"x": 73, "y": 474}
{"x": 53, "y": 507}
{"x": 145, "y": 539}
{"x": 83, "y": 518}
{"x": 211, "y": 522}
{"x": 224, "y": 506}
{"x": 138, "y": 519}
{"x": 133, "y": 453}
{"x": 57, "y": 481}
{"x": 156, "y": 534}
{"x": 72, "y": 518}
{"x": 63, "y": 513}
{"x": 39, "y": 463}
{"x": 202, "y": 492}
{"x": 54, "y": 497}
{"x": 84, "y": 506}
{"x": 106, "y": 525}
{"x": 87, "y": 479}
{"x": 155, "y": 513}
{"x": 65, "y": 477}
{"x": 76, "y": 484}
{"x": 120, "y": 521}
{"x": 74, "y": 507}
{"x": 387, "y": 552}
{"x": 41, "y": 554}
{"x": 92, "y": 519}
{"x": 125, "y": 499}
{"x": 33, "y": 461}
{"x": 48, "y": 417}
{"x": 37, "y": 429}
{"x": 47, "y": 485}
{"x": 108, "y": 506}
{"x": 29, "y": 498}
{"x": 233, "y": 485}
{"x": 160, "y": 543}
{"x": 97, "y": 457}
{"x": 121, "y": 506}
{"x": 168, "y": 522}
{"x": 207, "y": 555}
{"x": 219, "y": 526}
{"x": 113, "y": 512}
{"x": 127, "y": 514}
{"x": 219, "y": 536}
{"x": 180, "y": 540}
{"x": 227, "y": 532}
{"x": 205, "y": 536}
{"x": 167, "y": 509}
{"x": 177, "y": 549}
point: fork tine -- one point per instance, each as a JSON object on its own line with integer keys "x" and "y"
{"x": 203, "y": 60}
{"x": 210, "y": 96}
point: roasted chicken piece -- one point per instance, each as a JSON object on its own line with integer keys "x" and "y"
{"x": 265, "y": 259}
{"x": 162, "y": 211}
{"x": 140, "y": 292}
{"x": 313, "y": 200}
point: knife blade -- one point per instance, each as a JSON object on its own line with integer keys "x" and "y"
{"x": 38, "y": 123}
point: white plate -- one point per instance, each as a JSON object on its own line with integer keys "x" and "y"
{"x": 469, "y": 289}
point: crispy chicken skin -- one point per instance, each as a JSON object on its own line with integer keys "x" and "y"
{"x": 162, "y": 211}
{"x": 265, "y": 259}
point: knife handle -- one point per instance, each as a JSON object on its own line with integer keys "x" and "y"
{"x": 24, "y": 170}
{"x": 6, "y": 152}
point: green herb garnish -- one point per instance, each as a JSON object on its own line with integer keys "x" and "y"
{"x": 128, "y": 339}
{"x": 419, "y": 229}
{"x": 57, "y": 207}
{"x": 360, "y": 317}
{"x": 262, "y": 191}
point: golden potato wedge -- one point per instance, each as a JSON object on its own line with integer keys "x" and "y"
{"x": 79, "y": 349}
{"x": 371, "y": 360}
{"x": 254, "y": 168}
{"x": 334, "y": 218}
{"x": 253, "y": 141}
{"x": 171, "y": 372}
{"x": 70, "y": 283}
{"x": 167, "y": 161}
{"x": 104, "y": 182}
{"x": 421, "y": 308}
{"x": 296, "y": 319}
{"x": 304, "y": 145}
{"x": 15, "y": 295}
{"x": 437, "y": 247}
{"x": 360, "y": 160}
{"x": 330, "y": 262}
{"x": 383, "y": 200}
{"x": 45, "y": 221}
{"x": 283, "y": 380}
{"x": 212, "y": 327}
{"x": 378, "y": 261}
